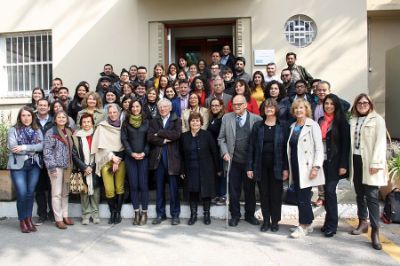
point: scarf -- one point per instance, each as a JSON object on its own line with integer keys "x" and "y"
{"x": 326, "y": 124}
{"x": 116, "y": 123}
{"x": 135, "y": 120}
{"x": 27, "y": 136}
{"x": 87, "y": 157}
{"x": 106, "y": 140}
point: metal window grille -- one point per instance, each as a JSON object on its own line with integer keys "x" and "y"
{"x": 300, "y": 31}
{"x": 25, "y": 62}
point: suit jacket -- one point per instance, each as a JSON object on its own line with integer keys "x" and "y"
{"x": 310, "y": 152}
{"x": 227, "y": 133}
{"x": 225, "y": 98}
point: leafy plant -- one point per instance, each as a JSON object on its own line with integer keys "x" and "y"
{"x": 4, "y": 126}
{"x": 394, "y": 167}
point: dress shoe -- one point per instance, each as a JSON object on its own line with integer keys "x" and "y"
{"x": 159, "y": 220}
{"x": 61, "y": 225}
{"x": 362, "y": 227}
{"x": 68, "y": 221}
{"x": 234, "y": 221}
{"x": 175, "y": 221}
{"x": 252, "y": 220}
{"x": 24, "y": 228}
{"x": 329, "y": 233}
{"x": 264, "y": 227}
{"x": 274, "y": 227}
{"x": 30, "y": 225}
{"x": 376, "y": 243}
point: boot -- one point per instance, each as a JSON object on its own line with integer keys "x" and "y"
{"x": 24, "y": 228}
{"x": 206, "y": 207}
{"x": 143, "y": 218}
{"x": 362, "y": 227}
{"x": 111, "y": 206}
{"x": 193, "y": 213}
{"x": 30, "y": 225}
{"x": 136, "y": 220}
{"x": 376, "y": 243}
{"x": 120, "y": 201}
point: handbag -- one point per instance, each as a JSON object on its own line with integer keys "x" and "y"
{"x": 76, "y": 184}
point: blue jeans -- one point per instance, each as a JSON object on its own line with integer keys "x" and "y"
{"x": 25, "y": 181}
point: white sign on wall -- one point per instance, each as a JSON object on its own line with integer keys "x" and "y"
{"x": 263, "y": 57}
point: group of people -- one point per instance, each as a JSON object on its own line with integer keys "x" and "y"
{"x": 199, "y": 126}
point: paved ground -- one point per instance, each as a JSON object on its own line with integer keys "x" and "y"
{"x": 125, "y": 244}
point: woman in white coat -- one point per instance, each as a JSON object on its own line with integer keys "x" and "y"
{"x": 306, "y": 157}
{"x": 368, "y": 150}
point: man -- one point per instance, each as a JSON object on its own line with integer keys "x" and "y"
{"x": 219, "y": 88}
{"x": 184, "y": 94}
{"x": 108, "y": 71}
{"x": 140, "y": 93}
{"x": 117, "y": 86}
{"x": 288, "y": 84}
{"x": 227, "y": 59}
{"x": 298, "y": 72}
{"x": 103, "y": 86}
{"x": 56, "y": 84}
{"x": 43, "y": 201}
{"x": 216, "y": 60}
{"x": 240, "y": 73}
{"x": 229, "y": 82}
{"x": 215, "y": 70}
{"x": 301, "y": 92}
{"x": 271, "y": 73}
{"x": 163, "y": 135}
{"x": 63, "y": 96}
{"x": 141, "y": 77}
{"x": 233, "y": 141}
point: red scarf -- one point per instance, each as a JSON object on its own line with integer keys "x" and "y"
{"x": 326, "y": 124}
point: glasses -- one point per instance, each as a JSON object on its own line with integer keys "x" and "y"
{"x": 363, "y": 104}
{"x": 238, "y": 104}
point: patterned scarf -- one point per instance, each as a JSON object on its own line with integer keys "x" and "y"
{"x": 135, "y": 120}
{"x": 27, "y": 136}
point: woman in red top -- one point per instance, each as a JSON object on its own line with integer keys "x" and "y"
{"x": 200, "y": 87}
{"x": 242, "y": 88}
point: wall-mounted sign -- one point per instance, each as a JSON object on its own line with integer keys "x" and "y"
{"x": 263, "y": 57}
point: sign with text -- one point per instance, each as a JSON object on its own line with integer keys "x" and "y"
{"x": 263, "y": 57}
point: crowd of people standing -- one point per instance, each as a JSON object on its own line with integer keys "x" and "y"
{"x": 198, "y": 127}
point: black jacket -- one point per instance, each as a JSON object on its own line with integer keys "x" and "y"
{"x": 135, "y": 139}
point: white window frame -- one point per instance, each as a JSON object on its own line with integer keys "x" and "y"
{"x": 16, "y": 84}
{"x": 300, "y": 30}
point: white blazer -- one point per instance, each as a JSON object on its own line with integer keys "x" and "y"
{"x": 310, "y": 152}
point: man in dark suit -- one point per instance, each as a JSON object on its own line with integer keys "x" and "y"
{"x": 234, "y": 141}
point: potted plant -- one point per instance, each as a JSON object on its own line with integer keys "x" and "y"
{"x": 393, "y": 173}
{"x": 7, "y": 191}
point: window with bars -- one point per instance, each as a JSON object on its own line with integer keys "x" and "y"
{"x": 25, "y": 62}
{"x": 300, "y": 30}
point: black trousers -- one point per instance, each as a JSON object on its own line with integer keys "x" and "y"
{"x": 43, "y": 194}
{"x": 237, "y": 179}
{"x": 271, "y": 190}
{"x": 367, "y": 196}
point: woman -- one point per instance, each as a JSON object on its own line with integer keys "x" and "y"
{"x": 57, "y": 155}
{"x": 336, "y": 138}
{"x": 57, "y": 106}
{"x": 217, "y": 111}
{"x": 76, "y": 104}
{"x": 84, "y": 162}
{"x": 268, "y": 163}
{"x": 127, "y": 91}
{"x": 170, "y": 94}
{"x": 368, "y": 163}
{"x": 25, "y": 142}
{"x": 200, "y": 160}
{"x": 241, "y": 88}
{"x": 107, "y": 147}
{"x": 172, "y": 71}
{"x": 182, "y": 75}
{"x": 132, "y": 73}
{"x": 194, "y": 106}
{"x": 109, "y": 98}
{"x": 92, "y": 104}
{"x": 164, "y": 84}
{"x": 134, "y": 139}
{"x": 158, "y": 71}
{"x": 258, "y": 87}
{"x": 193, "y": 72}
{"x": 274, "y": 90}
{"x": 306, "y": 156}
{"x": 150, "y": 107}
{"x": 37, "y": 94}
{"x": 203, "y": 70}
{"x": 125, "y": 107}
{"x": 201, "y": 88}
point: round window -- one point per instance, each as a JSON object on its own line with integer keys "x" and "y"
{"x": 300, "y": 30}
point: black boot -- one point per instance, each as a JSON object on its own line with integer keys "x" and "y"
{"x": 376, "y": 243}
{"x": 193, "y": 213}
{"x": 111, "y": 206}
{"x": 120, "y": 201}
{"x": 206, "y": 208}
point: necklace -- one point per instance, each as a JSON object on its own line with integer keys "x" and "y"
{"x": 357, "y": 132}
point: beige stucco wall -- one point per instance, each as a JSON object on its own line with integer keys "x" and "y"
{"x": 392, "y": 109}
{"x": 87, "y": 34}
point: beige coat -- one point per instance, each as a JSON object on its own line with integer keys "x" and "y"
{"x": 373, "y": 149}
{"x": 310, "y": 152}
{"x": 185, "y": 116}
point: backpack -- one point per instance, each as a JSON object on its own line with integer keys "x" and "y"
{"x": 391, "y": 210}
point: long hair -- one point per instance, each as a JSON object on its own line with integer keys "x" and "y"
{"x": 37, "y": 89}
{"x": 19, "y": 124}
{"x": 253, "y": 84}
{"x": 246, "y": 94}
{"x": 267, "y": 93}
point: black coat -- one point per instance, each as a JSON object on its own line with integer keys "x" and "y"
{"x": 256, "y": 147}
{"x": 337, "y": 151}
{"x": 208, "y": 160}
{"x": 156, "y": 136}
{"x": 135, "y": 139}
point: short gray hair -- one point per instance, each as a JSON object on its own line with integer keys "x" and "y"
{"x": 115, "y": 106}
{"x": 164, "y": 101}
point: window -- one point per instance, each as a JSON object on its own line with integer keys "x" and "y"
{"x": 300, "y": 30}
{"x": 25, "y": 62}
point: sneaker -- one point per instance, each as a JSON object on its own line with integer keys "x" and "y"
{"x": 299, "y": 232}
{"x": 85, "y": 221}
{"x": 40, "y": 220}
